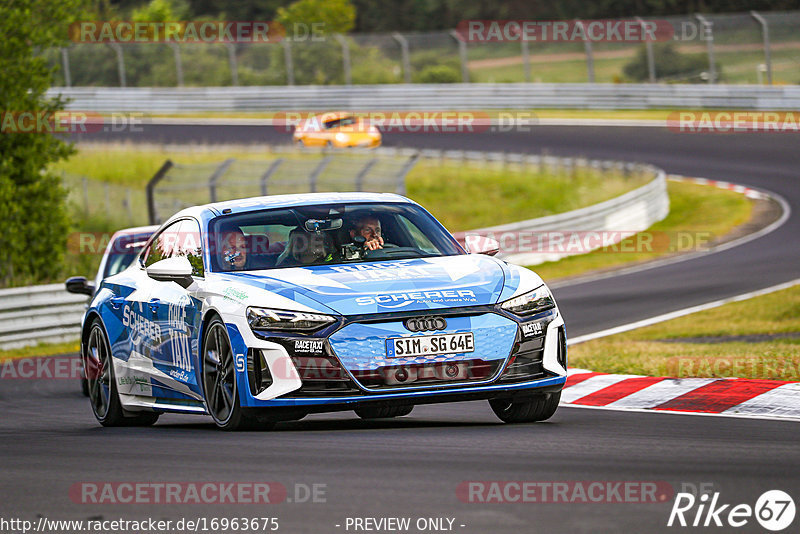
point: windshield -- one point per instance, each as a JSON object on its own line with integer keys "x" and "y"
{"x": 326, "y": 234}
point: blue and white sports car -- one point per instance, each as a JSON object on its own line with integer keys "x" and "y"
{"x": 267, "y": 309}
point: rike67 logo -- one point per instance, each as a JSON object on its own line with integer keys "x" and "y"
{"x": 774, "y": 510}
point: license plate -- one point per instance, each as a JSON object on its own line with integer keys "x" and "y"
{"x": 413, "y": 346}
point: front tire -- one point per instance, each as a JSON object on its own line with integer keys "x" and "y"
{"x": 219, "y": 381}
{"x": 538, "y": 408}
{"x": 101, "y": 384}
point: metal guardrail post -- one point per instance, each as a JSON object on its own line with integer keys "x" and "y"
{"x": 65, "y": 67}
{"x": 348, "y": 78}
{"x": 287, "y": 58}
{"x": 648, "y": 45}
{"x": 120, "y": 64}
{"x": 587, "y": 44}
{"x": 232, "y": 62}
{"x": 176, "y": 51}
{"x": 765, "y": 33}
{"x": 404, "y": 52}
{"x": 363, "y": 173}
{"x": 215, "y": 176}
{"x": 401, "y": 176}
{"x": 709, "y": 37}
{"x": 266, "y": 176}
{"x": 526, "y": 58}
{"x": 462, "y": 54}
{"x": 150, "y": 191}
{"x": 312, "y": 178}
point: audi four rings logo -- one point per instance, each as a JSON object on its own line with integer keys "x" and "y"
{"x": 421, "y": 324}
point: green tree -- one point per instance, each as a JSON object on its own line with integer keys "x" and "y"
{"x": 309, "y": 24}
{"x": 32, "y": 200}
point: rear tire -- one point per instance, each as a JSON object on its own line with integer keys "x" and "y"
{"x": 102, "y": 385}
{"x": 382, "y": 412}
{"x": 538, "y": 408}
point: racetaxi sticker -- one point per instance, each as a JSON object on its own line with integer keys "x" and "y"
{"x": 532, "y": 329}
{"x": 398, "y": 300}
{"x": 394, "y": 270}
{"x": 308, "y": 346}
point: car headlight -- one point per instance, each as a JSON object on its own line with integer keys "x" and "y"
{"x": 538, "y": 300}
{"x": 341, "y": 137}
{"x": 291, "y": 321}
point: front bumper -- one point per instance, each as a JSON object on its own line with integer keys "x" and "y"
{"x": 532, "y": 363}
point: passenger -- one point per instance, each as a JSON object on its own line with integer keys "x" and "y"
{"x": 233, "y": 251}
{"x": 305, "y": 248}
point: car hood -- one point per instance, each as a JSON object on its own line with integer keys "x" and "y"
{"x": 388, "y": 286}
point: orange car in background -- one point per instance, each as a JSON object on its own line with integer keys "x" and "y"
{"x": 336, "y": 129}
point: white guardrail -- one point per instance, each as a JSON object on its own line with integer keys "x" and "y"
{"x": 39, "y": 314}
{"x": 47, "y": 313}
{"x": 455, "y": 96}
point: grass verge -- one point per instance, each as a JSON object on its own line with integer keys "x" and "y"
{"x": 42, "y": 349}
{"x": 645, "y": 352}
{"x": 462, "y": 196}
{"x": 698, "y": 214}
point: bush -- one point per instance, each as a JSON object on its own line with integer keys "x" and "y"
{"x": 438, "y": 74}
{"x": 670, "y": 64}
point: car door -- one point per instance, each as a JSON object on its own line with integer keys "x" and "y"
{"x": 178, "y": 314}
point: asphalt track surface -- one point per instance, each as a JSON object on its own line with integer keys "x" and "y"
{"x": 412, "y": 466}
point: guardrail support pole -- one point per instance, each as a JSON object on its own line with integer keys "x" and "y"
{"x": 348, "y": 78}
{"x": 120, "y": 63}
{"x": 150, "y": 191}
{"x": 215, "y": 176}
{"x": 176, "y": 51}
{"x": 587, "y": 44}
{"x": 765, "y": 34}
{"x": 65, "y": 67}
{"x": 287, "y": 58}
{"x": 526, "y": 58}
{"x": 232, "y": 62}
{"x": 404, "y": 51}
{"x": 648, "y": 45}
{"x": 462, "y": 54}
{"x": 266, "y": 176}
{"x": 709, "y": 37}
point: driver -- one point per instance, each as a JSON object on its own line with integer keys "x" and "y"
{"x": 369, "y": 227}
{"x": 305, "y": 248}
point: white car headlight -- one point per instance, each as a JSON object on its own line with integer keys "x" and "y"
{"x": 291, "y": 321}
{"x": 341, "y": 137}
{"x": 538, "y": 300}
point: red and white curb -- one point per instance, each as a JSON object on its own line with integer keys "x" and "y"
{"x": 749, "y": 192}
{"x": 735, "y": 397}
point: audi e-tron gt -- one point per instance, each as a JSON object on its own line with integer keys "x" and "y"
{"x": 267, "y": 309}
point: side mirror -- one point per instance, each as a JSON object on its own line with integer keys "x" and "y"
{"x": 177, "y": 269}
{"x": 79, "y": 285}
{"x": 478, "y": 244}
